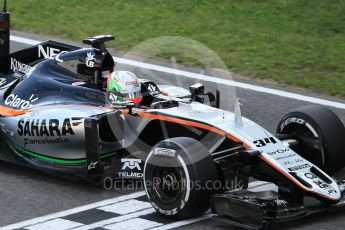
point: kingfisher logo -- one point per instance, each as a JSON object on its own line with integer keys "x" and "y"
{"x": 17, "y": 66}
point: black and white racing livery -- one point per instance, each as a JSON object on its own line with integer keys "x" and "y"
{"x": 56, "y": 116}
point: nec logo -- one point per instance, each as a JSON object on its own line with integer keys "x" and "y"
{"x": 131, "y": 163}
{"x": 47, "y": 52}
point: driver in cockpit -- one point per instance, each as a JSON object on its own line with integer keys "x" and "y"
{"x": 124, "y": 86}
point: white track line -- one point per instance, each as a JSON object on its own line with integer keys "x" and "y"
{"x": 208, "y": 78}
{"x": 116, "y": 219}
{"x": 72, "y": 211}
{"x": 26, "y": 41}
{"x": 109, "y": 202}
{"x": 183, "y": 223}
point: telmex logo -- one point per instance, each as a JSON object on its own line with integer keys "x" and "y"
{"x": 131, "y": 163}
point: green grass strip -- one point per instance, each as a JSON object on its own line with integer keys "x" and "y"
{"x": 295, "y": 42}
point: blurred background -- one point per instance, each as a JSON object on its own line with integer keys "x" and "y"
{"x": 294, "y": 42}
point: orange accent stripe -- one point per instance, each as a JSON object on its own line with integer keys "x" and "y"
{"x": 87, "y": 105}
{"x": 293, "y": 179}
{"x": 191, "y": 123}
{"x": 6, "y": 111}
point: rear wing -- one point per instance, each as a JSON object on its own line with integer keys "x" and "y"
{"x": 21, "y": 61}
{"x": 35, "y": 54}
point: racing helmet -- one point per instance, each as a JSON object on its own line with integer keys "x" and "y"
{"x": 124, "y": 86}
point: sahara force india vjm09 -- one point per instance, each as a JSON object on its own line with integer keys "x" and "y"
{"x": 57, "y": 116}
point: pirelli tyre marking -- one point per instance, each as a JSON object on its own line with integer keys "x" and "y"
{"x": 298, "y": 121}
{"x": 187, "y": 178}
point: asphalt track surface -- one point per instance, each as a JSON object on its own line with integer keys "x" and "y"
{"x": 27, "y": 194}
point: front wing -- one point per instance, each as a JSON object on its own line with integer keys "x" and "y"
{"x": 256, "y": 210}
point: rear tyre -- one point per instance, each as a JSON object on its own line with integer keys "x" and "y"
{"x": 179, "y": 174}
{"x": 320, "y": 135}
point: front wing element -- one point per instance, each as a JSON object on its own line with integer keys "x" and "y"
{"x": 256, "y": 210}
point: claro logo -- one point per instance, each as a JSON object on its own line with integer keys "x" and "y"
{"x": 16, "y": 102}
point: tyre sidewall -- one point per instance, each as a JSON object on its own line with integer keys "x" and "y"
{"x": 327, "y": 126}
{"x": 198, "y": 172}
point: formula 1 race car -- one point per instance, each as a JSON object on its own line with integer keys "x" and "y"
{"x": 56, "y": 116}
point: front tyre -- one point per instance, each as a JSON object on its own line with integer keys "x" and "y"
{"x": 179, "y": 175}
{"x": 320, "y": 135}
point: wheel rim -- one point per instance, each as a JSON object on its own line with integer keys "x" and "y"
{"x": 168, "y": 184}
{"x": 310, "y": 146}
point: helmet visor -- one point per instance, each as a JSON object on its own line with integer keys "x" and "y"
{"x": 134, "y": 97}
{"x": 131, "y": 95}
